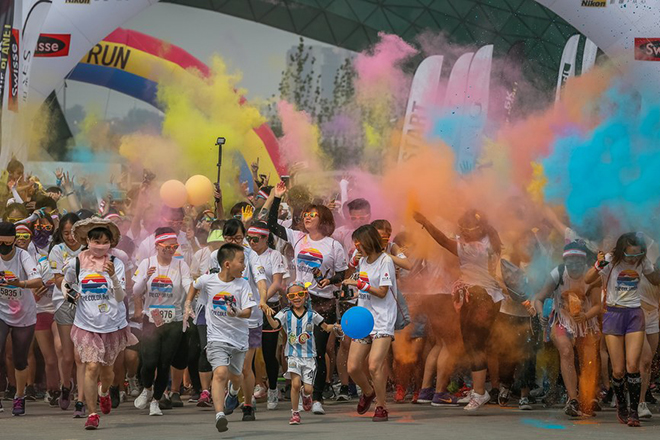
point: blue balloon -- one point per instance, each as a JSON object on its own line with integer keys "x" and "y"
{"x": 357, "y": 322}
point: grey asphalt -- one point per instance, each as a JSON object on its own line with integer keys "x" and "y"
{"x": 407, "y": 422}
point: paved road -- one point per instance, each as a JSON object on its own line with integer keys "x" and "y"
{"x": 407, "y": 422}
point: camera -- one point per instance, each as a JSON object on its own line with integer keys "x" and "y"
{"x": 345, "y": 293}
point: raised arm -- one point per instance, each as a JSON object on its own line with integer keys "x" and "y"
{"x": 274, "y": 227}
{"x": 436, "y": 234}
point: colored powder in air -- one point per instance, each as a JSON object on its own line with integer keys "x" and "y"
{"x": 300, "y": 142}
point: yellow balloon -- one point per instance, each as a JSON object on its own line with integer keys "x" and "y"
{"x": 200, "y": 190}
{"x": 173, "y": 193}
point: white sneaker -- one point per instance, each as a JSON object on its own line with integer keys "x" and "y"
{"x": 259, "y": 391}
{"x": 465, "y": 399}
{"x": 143, "y": 399}
{"x": 644, "y": 411}
{"x": 133, "y": 387}
{"x": 154, "y": 409}
{"x": 317, "y": 408}
{"x": 613, "y": 404}
{"x": 300, "y": 405}
{"x": 273, "y": 399}
{"x": 477, "y": 401}
{"x": 122, "y": 396}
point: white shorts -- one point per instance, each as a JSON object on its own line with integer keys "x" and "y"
{"x": 652, "y": 318}
{"x": 303, "y": 367}
{"x": 224, "y": 355}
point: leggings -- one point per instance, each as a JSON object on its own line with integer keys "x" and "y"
{"x": 477, "y": 316}
{"x": 269, "y": 339}
{"x": 513, "y": 336}
{"x": 193, "y": 355}
{"x": 158, "y": 348}
{"x": 204, "y": 365}
{"x": 21, "y": 339}
{"x": 325, "y": 308}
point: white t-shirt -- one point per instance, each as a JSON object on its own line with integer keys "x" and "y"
{"x": 478, "y": 263}
{"x": 344, "y": 235}
{"x": 299, "y": 331}
{"x": 59, "y": 258}
{"x": 97, "y": 309}
{"x": 273, "y": 263}
{"x": 17, "y": 305}
{"x": 165, "y": 291}
{"x": 253, "y": 273}
{"x": 623, "y": 282}
{"x": 379, "y": 273}
{"x": 326, "y": 254}
{"x": 148, "y": 248}
{"x": 45, "y": 303}
{"x": 215, "y": 294}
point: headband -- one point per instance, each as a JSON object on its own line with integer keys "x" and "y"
{"x": 262, "y": 194}
{"x": 113, "y": 215}
{"x": 574, "y": 252}
{"x": 258, "y": 231}
{"x": 22, "y": 229}
{"x": 164, "y": 237}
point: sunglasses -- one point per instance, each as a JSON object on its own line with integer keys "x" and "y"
{"x": 23, "y": 236}
{"x": 43, "y": 228}
{"x": 470, "y": 229}
{"x": 294, "y": 295}
{"x": 310, "y": 214}
{"x": 253, "y": 238}
{"x": 634, "y": 255}
{"x": 169, "y": 247}
{"x": 13, "y": 219}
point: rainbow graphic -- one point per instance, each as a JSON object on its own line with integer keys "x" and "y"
{"x": 9, "y": 276}
{"x": 161, "y": 284}
{"x": 94, "y": 283}
{"x": 311, "y": 257}
{"x": 628, "y": 279}
{"x": 177, "y": 256}
{"x": 220, "y": 301}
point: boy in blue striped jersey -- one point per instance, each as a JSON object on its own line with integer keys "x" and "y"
{"x": 298, "y": 322}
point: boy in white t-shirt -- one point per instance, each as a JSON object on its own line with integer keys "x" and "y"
{"x": 229, "y": 302}
{"x": 298, "y": 322}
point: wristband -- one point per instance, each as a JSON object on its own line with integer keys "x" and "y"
{"x": 363, "y": 285}
{"x": 600, "y": 265}
{"x": 354, "y": 263}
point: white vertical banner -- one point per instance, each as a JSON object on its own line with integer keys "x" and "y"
{"x": 454, "y": 104}
{"x": 589, "y": 56}
{"x": 34, "y": 16}
{"x": 423, "y": 92}
{"x": 567, "y": 64}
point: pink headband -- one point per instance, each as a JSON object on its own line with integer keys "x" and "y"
{"x": 576, "y": 252}
{"x": 262, "y": 194}
{"x": 23, "y": 229}
{"x": 258, "y": 231}
{"x": 111, "y": 216}
{"x": 164, "y": 237}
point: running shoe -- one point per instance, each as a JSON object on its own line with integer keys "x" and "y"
{"x": 343, "y": 395}
{"x": 221, "y": 423}
{"x": 54, "y": 398}
{"x": 494, "y": 396}
{"x": 380, "y": 415}
{"x": 317, "y": 408}
{"x": 18, "y": 408}
{"x": 204, "y": 400}
{"x": 154, "y": 408}
{"x": 365, "y": 403}
{"x": 572, "y": 408}
{"x": 650, "y": 398}
{"x": 503, "y": 397}
{"x": 328, "y": 392}
{"x": 425, "y": 395}
{"x": 30, "y": 393}
{"x": 105, "y": 402}
{"x": 10, "y": 393}
{"x": 123, "y": 397}
{"x": 1, "y": 408}
{"x": 65, "y": 398}
{"x": 286, "y": 394}
{"x": 260, "y": 391}
{"x": 194, "y": 398}
{"x": 165, "y": 402}
{"x": 273, "y": 399}
{"x": 133, "y": 387}
{"x": 144, "y": 399}
{"x": 622, "y": 414}
{"x": 477, "y": 401}
{"x": 644, "y": 411}
{"x": 295, "y": 418}
{"x": 231, "y": 403}
{"x": 352, "y": 390}
{"x": 595, "y": 406}
{"x": 464, "y": 395}
{"x": 633, "y": 419}
{"x": 524, "y": 404}
{"x": 415, "y": 397}
{"x": 400, "y": 394}
{"x": 176, "y": 400}
{"x": 444, "y": 399}
{"x": 306, "y": 402}
{"x": 114, "y": 396}
{"x": 92, "y": 422}
{"x": 606, "y": 396}
{"x": 248, "y": 413}
{"x": 79, "y": 410}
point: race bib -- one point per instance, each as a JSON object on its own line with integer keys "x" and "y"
{"x": 160, "y": 315}
{"x": 11, "y": 293}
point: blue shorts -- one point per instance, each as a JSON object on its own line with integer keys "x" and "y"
{"x": 619, "y": 321}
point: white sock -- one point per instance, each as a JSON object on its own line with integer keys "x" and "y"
{"x": 102, "y": 394}
{"x": 218, "y": 415}
{"x": 233, "y": 391}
